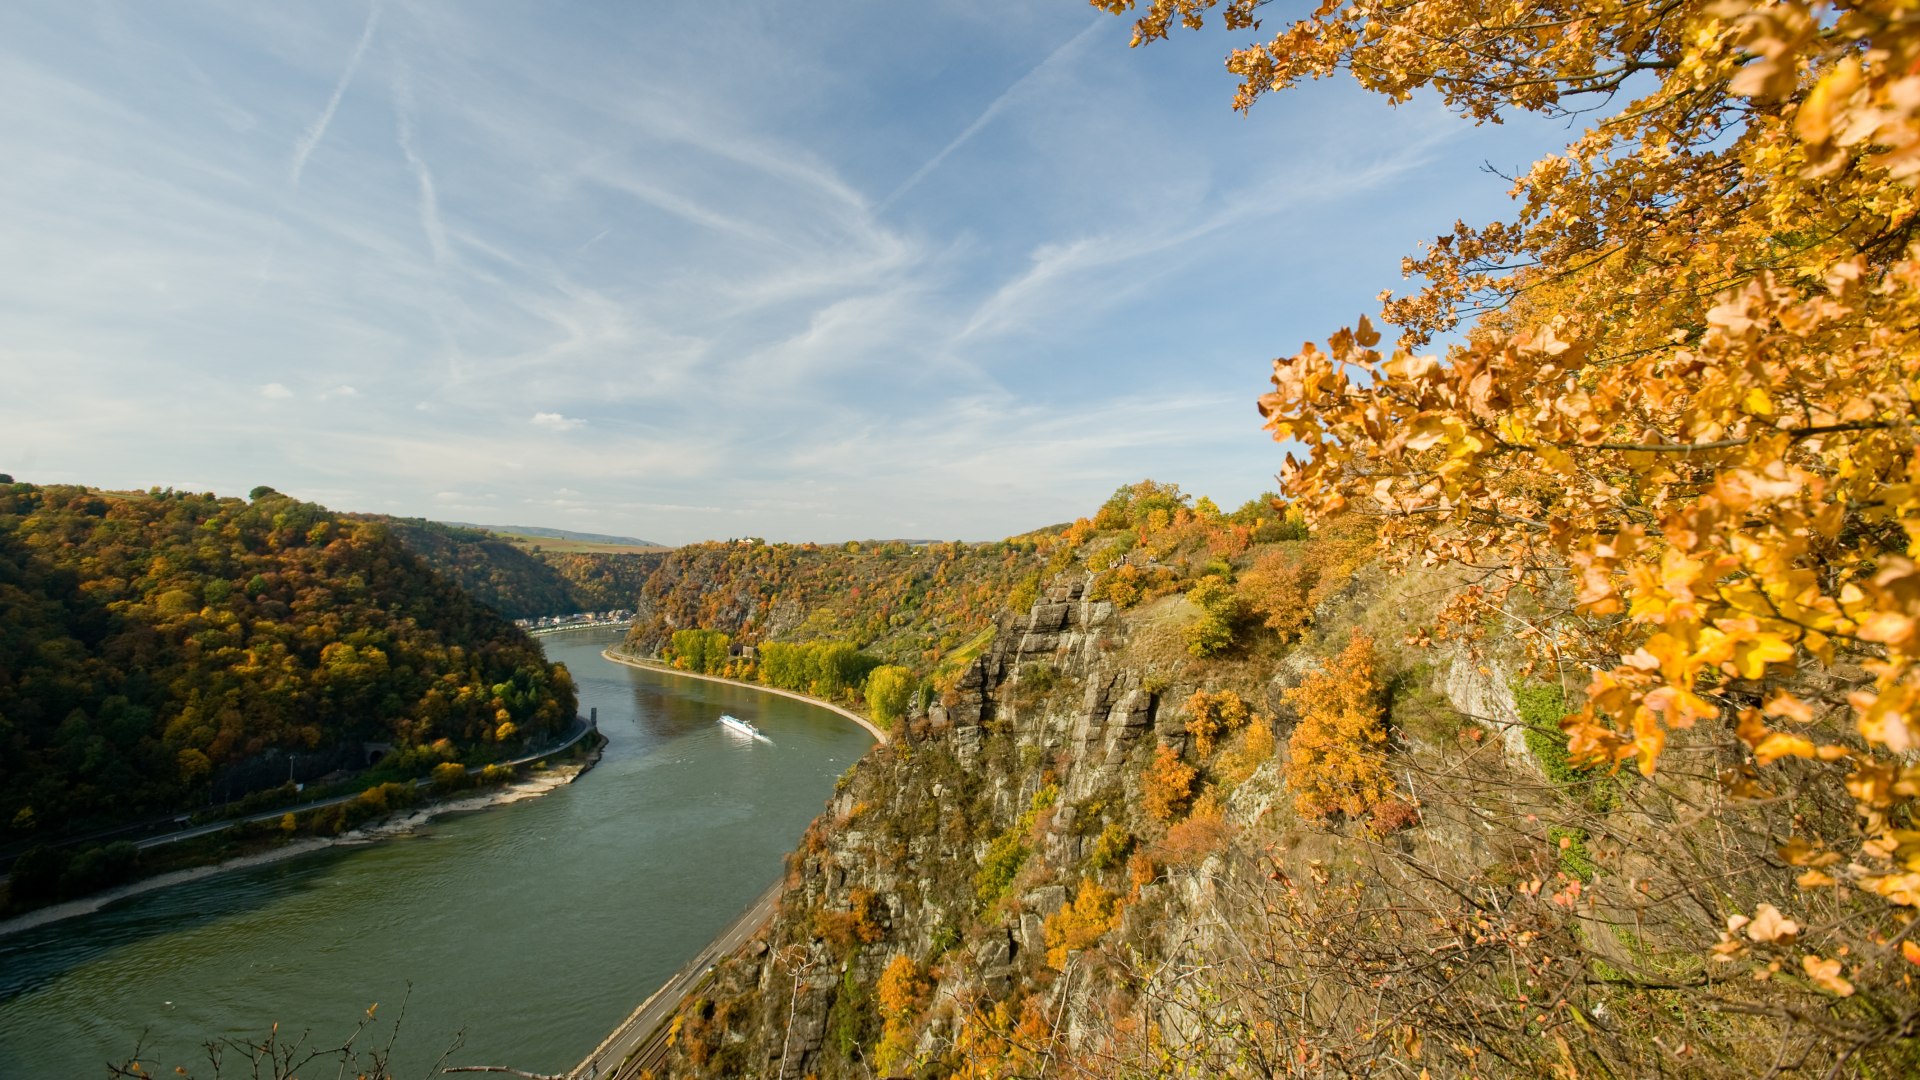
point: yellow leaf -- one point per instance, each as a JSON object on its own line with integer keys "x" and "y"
{"x": 1768, "y": 925}
{"x": 1779, "y": 744}
{"x": 1826, "y": 975}
{"x": 1815, "y": 121}
{"x": 1752, "y": 656}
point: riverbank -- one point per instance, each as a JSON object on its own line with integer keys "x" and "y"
{"x": 395, "y": 825}
{"x": 655, "y": 665}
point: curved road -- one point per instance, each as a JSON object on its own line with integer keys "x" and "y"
{"x": 639, "y": 1042}
{"x": 269, "y": 815}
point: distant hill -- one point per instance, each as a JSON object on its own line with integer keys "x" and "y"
{"x": 559, "y": 534}
{"x": 521, "y": 579}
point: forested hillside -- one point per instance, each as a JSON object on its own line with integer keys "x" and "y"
{"x": 158, "y": 648}
{"x": 925, "y": 608}
{"x": 523, "y": 584}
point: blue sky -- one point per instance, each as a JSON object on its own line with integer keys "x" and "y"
{"x": 802, "y": 271}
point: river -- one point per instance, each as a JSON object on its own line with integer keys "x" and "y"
{"x": 528, "y": 931}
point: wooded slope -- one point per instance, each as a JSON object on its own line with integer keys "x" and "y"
{"x": 154, "y": 647}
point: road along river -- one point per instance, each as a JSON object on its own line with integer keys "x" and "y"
{"x": 534, "y": 928}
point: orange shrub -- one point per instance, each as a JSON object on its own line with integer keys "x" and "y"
{"x": 1140, "y": 872}
{"x": 1337, "y": 755}
{"x": 1210, "y": 715}
{"x": 1392, "y": 815}
{"x": 844, "y": 929}
{"x": 903, "y": 988}
{"x": 1280, "y": 590}
{"x": 1168, "y": 785}
{"x": 1200, "y": 834}
{"x": 1081, "y": 922}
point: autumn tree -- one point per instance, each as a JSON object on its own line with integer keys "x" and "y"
{"x": 1080, "y": 922}
{"x": 1685, "y": 394}
{"x": 902, "y": 994}
{"x": 1336, "y": 757}
{"x": 1213, "y": 714}
{"x": 887, "y": 691}
{"x": 1213, "y": 632}
{"x": 1279, "y": 589}
{"x": 1167, "y": 787}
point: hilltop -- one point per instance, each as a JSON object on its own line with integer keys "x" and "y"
{"x": 523, "y": 580}
{"x": 531, "y": 535}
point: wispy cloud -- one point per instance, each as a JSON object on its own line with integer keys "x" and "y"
{"x": 429, "y": 206}
{"x": 303, "y": 148}
{"x": 993, "y": 109}
{"x": 560, "y": 225}
{"x": 553, "y": 421}
{"x": 1055, "y": 267}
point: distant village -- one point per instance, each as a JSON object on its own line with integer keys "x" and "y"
{"x": 575, "y": 621}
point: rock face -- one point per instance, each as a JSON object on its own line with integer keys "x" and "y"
{"x": 1483, "y": 690}
{"x": 954, "y": 846}
{"x": 1039, "y": 744}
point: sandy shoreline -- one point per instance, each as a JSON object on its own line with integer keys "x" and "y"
{"x": 397, "y": 825}
{"x": 646, "y": 665}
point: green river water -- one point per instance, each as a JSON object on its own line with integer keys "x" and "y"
{"x": 528, "y": 931}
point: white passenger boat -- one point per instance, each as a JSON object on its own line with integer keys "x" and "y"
{"x": 736, "y": 724}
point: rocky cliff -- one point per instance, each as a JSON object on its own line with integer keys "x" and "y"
{"x": 1318, "y": 852}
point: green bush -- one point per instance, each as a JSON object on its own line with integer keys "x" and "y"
{"x": 1541, "y": 706}
{"x": 1220, "y": 616}
{"x": 1009, "y": 851}
{"x": 1005, "y": 857}
{"x": 47, "y": 874}
{"x": 1112, "y": 848}
{"x": 99, "y": 867}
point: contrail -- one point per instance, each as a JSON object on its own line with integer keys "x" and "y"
{"x": 430, "y": 222}
{"x": 304, "y": 148}
{"x": 987, "y": 116}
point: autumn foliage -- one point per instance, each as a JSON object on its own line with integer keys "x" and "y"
{"x": 1167, "y": 788}
{"x": 1687, "y": 394}
{"x": 1081, "y": 922}
{"x": 1280, "y": 590}
{"x": 162, "y": 649}
{"x": 1211, "y": 715}
{"x": 901, "y": 995}
{"x": 856, "y": 924}
{"x": 1336, "y": 757}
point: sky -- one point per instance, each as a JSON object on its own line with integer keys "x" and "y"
{"x": 947, "y": 269}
